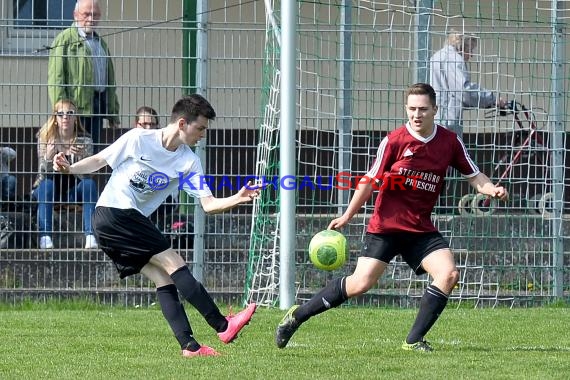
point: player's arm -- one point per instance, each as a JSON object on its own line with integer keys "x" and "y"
{"x": 85, "y": 166}
{"x": 479, "y": 181}
{"x": 365, "y": 185}
{"x": 483, "y": 185}
{"x": 360, "y": 197}
{"x": 213, "y": 205}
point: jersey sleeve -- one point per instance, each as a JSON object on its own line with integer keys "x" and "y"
{"x": 381, "y": 162}
{"x": 194, "y": 182}
{"x": 462, "y": 160}
{"x": 123, "y": 148}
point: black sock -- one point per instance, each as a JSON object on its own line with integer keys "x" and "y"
{"x": 332, "y": 295}
{"x": 195, "y": 293}
{"x": 192, "y": 345}
{"x": 431, "y": 305}
{"x": 175, "y": 315}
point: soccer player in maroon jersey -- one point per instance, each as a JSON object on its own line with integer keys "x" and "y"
{"x": 409, "y": 172}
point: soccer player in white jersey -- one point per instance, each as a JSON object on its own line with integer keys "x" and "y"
{"x": 147, "y": 166}
{"x": 409, "y": 172}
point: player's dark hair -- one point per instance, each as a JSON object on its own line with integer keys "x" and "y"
{"x": 191, "y": 107}
{"x": 422, "y": 89}
{"x": 148, "y": 110}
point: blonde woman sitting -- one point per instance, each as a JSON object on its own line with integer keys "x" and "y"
{"x": 64, "y": 133}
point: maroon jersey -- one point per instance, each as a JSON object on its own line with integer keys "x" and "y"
{"x": 410, "y": 172}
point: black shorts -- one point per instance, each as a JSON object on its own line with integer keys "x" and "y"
{"x": 128, "y": 237}
{"x": 412, "y": 246}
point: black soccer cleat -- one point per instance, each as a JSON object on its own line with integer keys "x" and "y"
{"x": 422, "y": 346}
{"x": 286, "y": 328}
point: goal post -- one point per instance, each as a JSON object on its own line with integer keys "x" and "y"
{"x": 354, "y": 59}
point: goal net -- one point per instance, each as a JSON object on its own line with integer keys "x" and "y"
{"x": 354, "y": 61}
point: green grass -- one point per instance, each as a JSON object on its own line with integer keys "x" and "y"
{"x": 78, "y": 341}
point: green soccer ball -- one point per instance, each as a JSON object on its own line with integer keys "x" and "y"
{"x": 327, "y": 250}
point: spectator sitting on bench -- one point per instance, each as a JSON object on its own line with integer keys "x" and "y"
{"x": 146, "y": 117}
{"x": 63, "y": 132}
{"x": 7, "y": 180}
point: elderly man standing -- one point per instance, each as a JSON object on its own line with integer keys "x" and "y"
{"x": 452, "y": 82}
{"x": 455, "y": 91}
{"x": 80, "y": 69}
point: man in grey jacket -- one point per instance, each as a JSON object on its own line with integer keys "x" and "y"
{"x": 452, "y": 82}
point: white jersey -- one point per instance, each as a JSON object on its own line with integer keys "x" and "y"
{"x": 145, "y": 173}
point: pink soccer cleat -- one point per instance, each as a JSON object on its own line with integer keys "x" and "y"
{"x": 203, "y": 351}
{"x": 236, "y": 323}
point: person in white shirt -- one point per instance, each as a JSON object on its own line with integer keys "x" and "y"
{"x": 452, "y": 82}
{"x": 147, "y": 166}
{"x": 146, "y": 117}
{"x": 455, "y": 91}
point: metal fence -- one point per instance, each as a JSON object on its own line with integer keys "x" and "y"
{"x": 164, "y": 49}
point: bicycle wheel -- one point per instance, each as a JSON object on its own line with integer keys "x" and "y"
{"x": 464, "y": 205}
{"x": 483, "y": 205}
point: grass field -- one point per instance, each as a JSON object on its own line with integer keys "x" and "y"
{"x": 80, "y": 340}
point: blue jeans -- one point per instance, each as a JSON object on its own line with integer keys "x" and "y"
{"x": 85, "y": 192}
{"x": 8, "y": 186}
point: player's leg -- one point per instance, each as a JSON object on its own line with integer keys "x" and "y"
{"x": 441, "y": 267}
{"x": 440, "y": 264}
{"x": 130, "y": 240}
{"x": 190, "y": 288}
{"x": 364, "y": 277}
{"x": 375, "y": 256}
{"x": 195, "y": 293}
{"x": 139, "y": 243}
{"x": 174, "y": 312}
